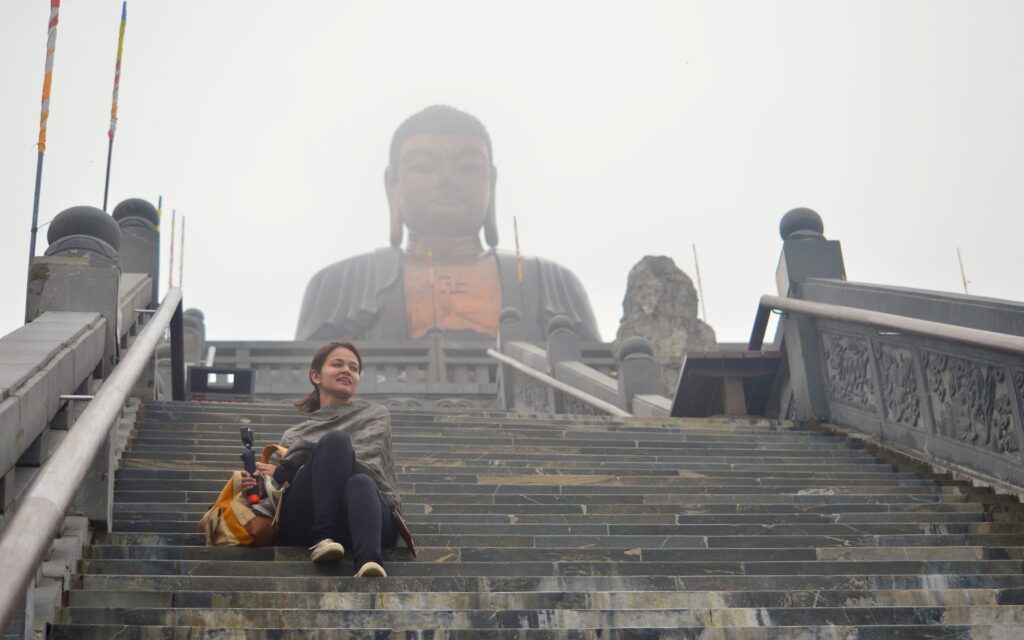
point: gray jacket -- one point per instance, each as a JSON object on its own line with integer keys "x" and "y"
{"x": 369, "y": 427}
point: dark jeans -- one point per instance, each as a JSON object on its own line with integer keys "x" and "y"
{"x": 329, "y": 499}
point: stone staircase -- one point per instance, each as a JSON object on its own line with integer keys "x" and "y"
{"x": 550, "y": 527}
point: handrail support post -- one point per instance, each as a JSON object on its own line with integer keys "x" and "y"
{"x": 178, "y": 353}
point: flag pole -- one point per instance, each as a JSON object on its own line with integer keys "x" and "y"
{"x": 963, "y": 274}
{"x": 113, "y": 108}
{"x": 170, "y": 271}
{"x": 181, "y": 257}
{"x": 433, "y": 287}
{"x": 519, "y": 267}
{"x": 44, "y": 114}
{"x": 700, "y": 287}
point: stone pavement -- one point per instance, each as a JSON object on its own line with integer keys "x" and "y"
{"x": 550, "y": 527}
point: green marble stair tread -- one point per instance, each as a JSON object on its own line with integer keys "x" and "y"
{"x": 549, "y": 618}
{"x": 586, "y": 554}
{"x": 931, "y": 632}
{"x": 492, "y": 584}
{"x": 544, "y": 599}
{"x": 559, "y": 568}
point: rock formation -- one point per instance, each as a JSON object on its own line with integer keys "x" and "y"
{"x": 661, "y": 305}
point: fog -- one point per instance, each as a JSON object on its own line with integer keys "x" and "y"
{"x": 619, "y": 130}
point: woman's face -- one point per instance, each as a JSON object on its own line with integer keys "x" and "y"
{"x": 339, "y": 377}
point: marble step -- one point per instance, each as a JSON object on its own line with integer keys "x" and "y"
{"x": 556, "y": 568}
{"x": 588, "y": 492}
{"x": 635, "y": 505}
{"x": 192, "y": 513}
{"x": 717, "y": 479}
{"x": 547, "y": 618}
{"x": 827, "y": 632}
{"x": 867, "y": 529}
{"x": 657, "y": 439}
{"x": 587, "y": 554}
{"x": 543, "y": 599}
{"x": 628, "y": 542}
{"x": 462, "y": 465}
{"x": 586, "y": 584}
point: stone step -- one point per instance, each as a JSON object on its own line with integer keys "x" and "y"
{"x": 556, "y": 568}
{"x": 548, "y": 618}
{"x": 836, "y": 509}
{"x": 828, "y": 632}
{"x": 615, "y": 433}
{"x": 544, "y": 599}
{"x": 434, "y": 493}
{"x": 434, "y": 465}
{"x": 193, "y": 512}
{"x": 588, "y": 554}
{"x": 720, "y": 479}
{"x": 585, "y": 584}
{"x": 851, "y": 530}
{"x": 627, "y": 542}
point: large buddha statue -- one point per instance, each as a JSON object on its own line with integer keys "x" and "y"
{"x": 440, "y": 184}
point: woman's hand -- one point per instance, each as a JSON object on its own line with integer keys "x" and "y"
{"x": 262, "y": 469}
{"x": 248, "y": 481}
{"x": 265, "y": 468}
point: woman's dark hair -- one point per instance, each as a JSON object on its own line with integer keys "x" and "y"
{"x": 311, "y": 402}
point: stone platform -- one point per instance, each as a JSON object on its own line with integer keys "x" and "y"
{"x": 550, "y": 527}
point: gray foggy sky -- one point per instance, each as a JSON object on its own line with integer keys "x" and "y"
{"x": 620, "y": 129}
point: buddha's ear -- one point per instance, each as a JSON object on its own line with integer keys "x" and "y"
{"x": 491, "y": 218}
{"x": 390, "y": 187}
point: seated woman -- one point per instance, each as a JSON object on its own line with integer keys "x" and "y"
{"x": 343, "y": 491}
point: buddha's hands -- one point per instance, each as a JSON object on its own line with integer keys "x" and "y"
{"x": 262, "y": 469}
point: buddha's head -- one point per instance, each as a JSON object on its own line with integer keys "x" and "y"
{"x": 440, "y": 177}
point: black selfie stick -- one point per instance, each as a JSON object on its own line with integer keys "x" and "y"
{"x": 249, "y": 462}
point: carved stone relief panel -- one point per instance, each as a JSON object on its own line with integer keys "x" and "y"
{"x": 971, "y": 402}
{"x": 898, "y": 388}
{"x": 578, "y": 407}
{"x": 848, "y": 370}
{"x": 407, "y": 402}
{"x": 529, "y": 393}
{"x": 1018, "y": 383}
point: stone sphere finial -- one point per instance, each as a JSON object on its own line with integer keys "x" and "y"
{"x": 560, "y": 322}
{"x": 136, "y": 208}
{"x": 510, "y": 314}
{"x": 636, "y": 346}
{"x": 84, "y": 228}
{"x": 801, "y": 222}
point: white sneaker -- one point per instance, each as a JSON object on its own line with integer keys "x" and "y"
{"x": 326, "y": 550}
{"x": 371, "y": 570}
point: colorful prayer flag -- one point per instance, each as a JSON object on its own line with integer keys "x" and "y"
{"x": 51, "y": 45}
{"x": 117, "y": 71}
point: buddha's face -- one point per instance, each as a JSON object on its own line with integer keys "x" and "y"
{"x": 443, "y": 184}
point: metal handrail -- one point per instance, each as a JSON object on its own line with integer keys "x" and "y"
{"x": 39, "y": 513}
{"x": 597, "y": 403}
{"x": 989, "y": 340}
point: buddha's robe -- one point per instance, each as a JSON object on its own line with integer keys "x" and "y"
{"x": 363, "y": 298}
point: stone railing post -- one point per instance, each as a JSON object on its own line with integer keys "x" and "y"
{"x": 639, "y": 373}
{"x": 195, "y": 336}
{"x": 510, "y": 329}
{"x": 140, "y": 240}
{"x": 805, "y": 254}
{"x": 563, "y": 346}
{"x": 437, "y": 367}
{"x": 80, "y": 271}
